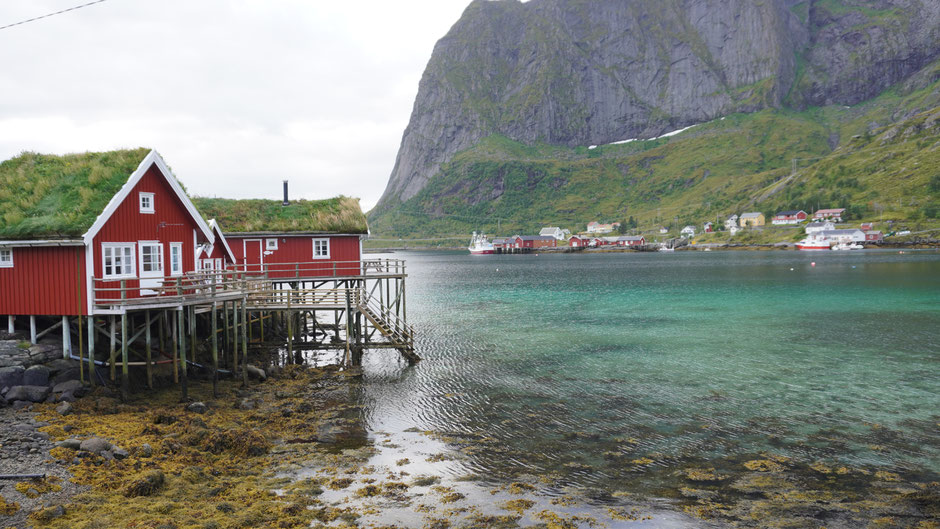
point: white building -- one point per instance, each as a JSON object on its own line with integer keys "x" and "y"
{"x": 663, "y": 230}
{"x": 732, "y": 221}
{"x": 688, "y": 230}
{"x": 554, "y": 231}
{"x": 816, "y": 227}
{"x": 847, "y": 236}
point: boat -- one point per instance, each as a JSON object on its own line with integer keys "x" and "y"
{"x": 848, "y": 246}
{"x": 666, "y": 249}
{"x": 479, "y": 245}
{"x": 814, "y": 244}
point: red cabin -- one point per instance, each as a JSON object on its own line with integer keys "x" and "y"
{"x": 789, "y": 217}
{"x": 874, "y": 236}
{"x": 294, "y": 240}
{"x": 120, "y": 225}
{"x": 535, "y": 241}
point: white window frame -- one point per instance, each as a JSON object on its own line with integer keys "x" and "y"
{"x": 321, "y": 240}
{"x": 178, "y": 248}
{"x": 140, "y": 201}
{"x": 122, "y": 246}
{"x": 270, "y": 244}
{"x": 140, "y": 250}
{"x": 6, "y": 262}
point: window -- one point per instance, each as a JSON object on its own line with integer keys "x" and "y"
{"x": 321, "y": 248}
{"x": 146, "y": 203}
{"x": 6, "y": 257}
{"x": 270, "y": 244}
{"x": 151, "y": 258}
{"x": 176, "y": 258}
{"x": 118, "y": 260}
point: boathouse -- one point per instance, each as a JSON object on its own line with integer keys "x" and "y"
{"x": 631, "y": 240}
{"x": 300, "y": 238}
{"x": 874, "y": 236}
{"x": 789, "y": 217}
{"x": 92, "y": 223}
{"x": 534, "y": 241}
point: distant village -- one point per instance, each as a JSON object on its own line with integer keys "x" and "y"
{"x": 821, "y": 231}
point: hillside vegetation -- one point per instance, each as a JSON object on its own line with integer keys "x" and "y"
{"x": 879, "y": 159}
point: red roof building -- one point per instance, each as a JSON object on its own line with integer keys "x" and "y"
{"x": 829, "y": 214}
{"x": 535, "y": 241}
{"x": 789, "y": 217}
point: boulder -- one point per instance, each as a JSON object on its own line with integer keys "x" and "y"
{"x": 256, "y": 372}
{"x": 29, "y": 393}
{"x": 197, "y": 407}
{"x": 36, "y": 376}
{"x": 73, "y": 444}
{"x": 145, "y": 450}
{"x": 11, "y": 376}
{"x": 119, "y": 453}
{"x": 95, "y": 445}
{"x": 64, "y": 408}
{"x": 69, "y": 374}
{"x": 68, "y": 385}
{"x": 68, "y": 396}
{"x": 3, "y": 402}
{"x": 21, "y": 404}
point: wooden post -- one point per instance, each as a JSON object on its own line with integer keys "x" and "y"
{"x": 113, "y": 358}
{"x": 245, "y": 327}
{"x": 66, "y": 338}
{"x": 234, "y": 338}
{"x": 215, "y": 351}
{"x": 290, "y": 332}
{"x": 91, "y": 351}
{"x": 192, "y": 333}
{"x": 149, "y": 354}
{"x": 162, "y": 330}
{"x": 32, "y": 330}
{"x": 174, "y": 337}
{"x": 262, "y": 326}
{"x": 226, "y": 343}
{"x": 10, "y": 324}
{"x": 181, "y": 317}
{"x": 125, "y": 381}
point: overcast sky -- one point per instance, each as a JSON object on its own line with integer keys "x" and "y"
{"x": 236, "y": 95}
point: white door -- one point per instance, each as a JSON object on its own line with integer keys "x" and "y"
{"x": 150, "y": 257}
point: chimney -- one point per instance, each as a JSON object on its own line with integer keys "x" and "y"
{"x": 286, "y": 202}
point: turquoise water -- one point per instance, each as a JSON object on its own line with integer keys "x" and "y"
{"x": 575, "y": 363}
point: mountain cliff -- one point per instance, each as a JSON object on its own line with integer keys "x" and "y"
{"x": 573, "y": 73}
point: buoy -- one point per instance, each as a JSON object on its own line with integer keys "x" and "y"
{"x": 813, "y": 263}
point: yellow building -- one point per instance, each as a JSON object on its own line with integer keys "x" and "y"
{"x": 752, "y": 219}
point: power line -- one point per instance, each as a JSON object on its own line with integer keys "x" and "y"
{"x": 50, "y": 14}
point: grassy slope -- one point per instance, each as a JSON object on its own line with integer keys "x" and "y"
{"x": 882, "y": 166}
{"x": 60, "y": 196}
{"x": 335, "y": 215}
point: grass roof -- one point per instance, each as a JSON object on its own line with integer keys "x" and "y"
{"x": 48, "y": 196}
{"x": 335, "y": 215}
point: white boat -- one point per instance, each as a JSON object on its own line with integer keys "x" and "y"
{"x": 666, "y": 249}
{"x": 813, "y": 243}
{"x": 479, "y": 245}
{"x": 848, "y": 246}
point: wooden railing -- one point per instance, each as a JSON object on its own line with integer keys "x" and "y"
{"x": 238, "y": 280}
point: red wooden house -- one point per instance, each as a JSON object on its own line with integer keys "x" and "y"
{"x": 216, "y": 256}
{"x": 98, "y": 221}
{"x": 829, "y": 214}
{"x": 298, "y": 239}
{"x": 578, "y": 241}
{"x": 789, "y": 217}
{"x": 535, "y": 241}
{"x": 874, "y": 236}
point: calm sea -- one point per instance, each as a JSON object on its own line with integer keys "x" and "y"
{"x": 569, "y": 360}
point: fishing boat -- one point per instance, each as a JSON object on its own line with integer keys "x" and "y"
{"x": 814, "y": 243}
{"x": 480, "y": 245}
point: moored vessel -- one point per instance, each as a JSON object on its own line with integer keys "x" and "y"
{"x": 480, "y": 245}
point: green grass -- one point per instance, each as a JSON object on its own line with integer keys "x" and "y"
{"x": 335, "y": 215}
{"x": 44, "y": 195}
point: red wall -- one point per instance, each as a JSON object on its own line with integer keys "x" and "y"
{"x": 344, "y": 255}
{"x": 171, "y": 222}
{"x": 44, "y": 281}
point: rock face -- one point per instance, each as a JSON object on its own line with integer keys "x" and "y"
{"x": 599, "y": 71}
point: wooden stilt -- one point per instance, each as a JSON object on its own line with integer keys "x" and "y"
{"x": 226, "y": 343}
{"x": 113, "y": 358}
{"x": 91, "y": 351}
{"x": 192, "y": 333}
{"x": 245, "y": 328}
{"x": 10, "y": 319}
{"x": 181, "y": 318}
{"x": 32, "y": 330}
{"x": 234, "y": 338}
{"x": 161, "y": 328}
{"x": 174, "y": 343}
{"x": 262, "y": 326}
{"x": 215, "y": 351}
{"x": 66, "y": 338}
{"x": 125, "y": 380}
{"x": 148, "y": 351}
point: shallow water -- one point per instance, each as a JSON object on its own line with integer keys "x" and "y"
{"x": 575, "y": 365}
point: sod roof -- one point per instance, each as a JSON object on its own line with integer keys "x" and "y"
{"x": 335, "y": 215}
{"x": 54, "y": 197}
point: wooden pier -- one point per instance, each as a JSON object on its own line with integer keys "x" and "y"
{"x": 210, "y": 320}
